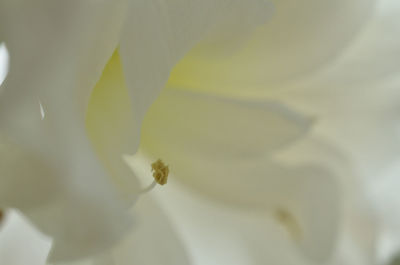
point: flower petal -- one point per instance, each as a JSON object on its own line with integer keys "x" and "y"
{"x": 52, "y": 52}
{"x": 152, "y": 241}
{"x": 222, "y": 148}
{"x": 111, "y": 126}
{"x": 232, "y": 235}
{"x": 47, "y": 37}
{"x": 202, "y": 124}
{"x": 300, "y": 38}
{"x": 20, "y": 243}
{"x": 80, "y": 226}
{"x": 158, "y": 33}
{"x": 356, "y": 98}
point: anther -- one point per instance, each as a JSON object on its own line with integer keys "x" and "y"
{"x": 160, "y": 175}
{"x": 160, "y": 172}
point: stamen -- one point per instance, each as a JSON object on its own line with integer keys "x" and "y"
{"x": 160, "y": 175}
{"x": 160, "y": 172}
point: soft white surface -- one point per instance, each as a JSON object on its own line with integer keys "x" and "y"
{"x": 21, "y": 243}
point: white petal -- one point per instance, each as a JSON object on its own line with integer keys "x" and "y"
{"x": 26, "y": 180}
{"x": 158, "y": 33}
{"x": 21, "y": 243}
{"x": 68, "y": 197}
{"x": 51, "y": 50}
{"x": 300, "y": 38}
{"x": 222, "y": 147}
{"x": 49, "y": 37}
{"x": 356, "y": 98}
{"x": 216, "y": 234}
{"x": 111, "y": 126}
{"x": 80, "y": 226}
{"x": 211, "y": 126}
{"x": 152, "y": 241}
{"x": 385, "y": 199}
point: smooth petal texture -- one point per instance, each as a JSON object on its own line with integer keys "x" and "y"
{"x": 17, "y": 165}
{"x": 20, "y": 242}
{"x": 158, "y": 33}
{"x": 222, "y": 148}
{"x": 111, "y": 126}
{"x": 51, "y": 36}
{"x": 153, "y": 240}
{"x": 358, "y": 230}
{"x": 80, "y": 226}
{"x": 217, "y": 234}
{"x": 355, "y": 99}
{"x": 200, "y": 124}
{"x": 300, "y": 38}
{"x": 51, "y": 50}
{"x": 383, "y": 195}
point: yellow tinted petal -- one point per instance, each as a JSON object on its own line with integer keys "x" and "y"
{"x": 111, "y": 124}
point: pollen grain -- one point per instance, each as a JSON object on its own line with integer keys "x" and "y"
{"x": 160, "y": 172}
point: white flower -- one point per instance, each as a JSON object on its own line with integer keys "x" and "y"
{"x": 58, "y": 50}
{"x": 221, "y": 124}
{"x": 265, "y": 125}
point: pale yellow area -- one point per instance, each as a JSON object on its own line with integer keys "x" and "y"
{"x": 111, "y": 124}
{"x": 296, "y": 41}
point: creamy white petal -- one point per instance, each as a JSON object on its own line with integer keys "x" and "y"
{"x": 384, "y": 197}
{"x": 26, "y": 180}
{"x": 20, "y": 242}
{"x": 217, "y": 127}
{"x": 112, "y": 127}
{"x": 80, "y": 226}
{"x": 217, "y": 234}
{"x": 51, "y": 50}
{"x": 301, "y": 37}
{"x": 47, "y": 37}
{"x": 153, "y": 240}
{"x": 356, "y": 98}
{"x": 222, "y": 148}
{"x": 158, "y": 33}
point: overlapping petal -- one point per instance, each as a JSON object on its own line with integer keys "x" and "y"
{"x": 300, "y": 37}
{"x": 158, "y": 33}
{"x": 48, "y": 41}
{"x": 112, "y": 127}
{"x": 207, "y": 125}
{"x": 20, "y": 243}
{"x": 223, "y": 148}
{"x": 58, "y": 51}
{"x": 355, "y": 99}
{"x": 152, "y": 241}
{"x": 218, "y": 234}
